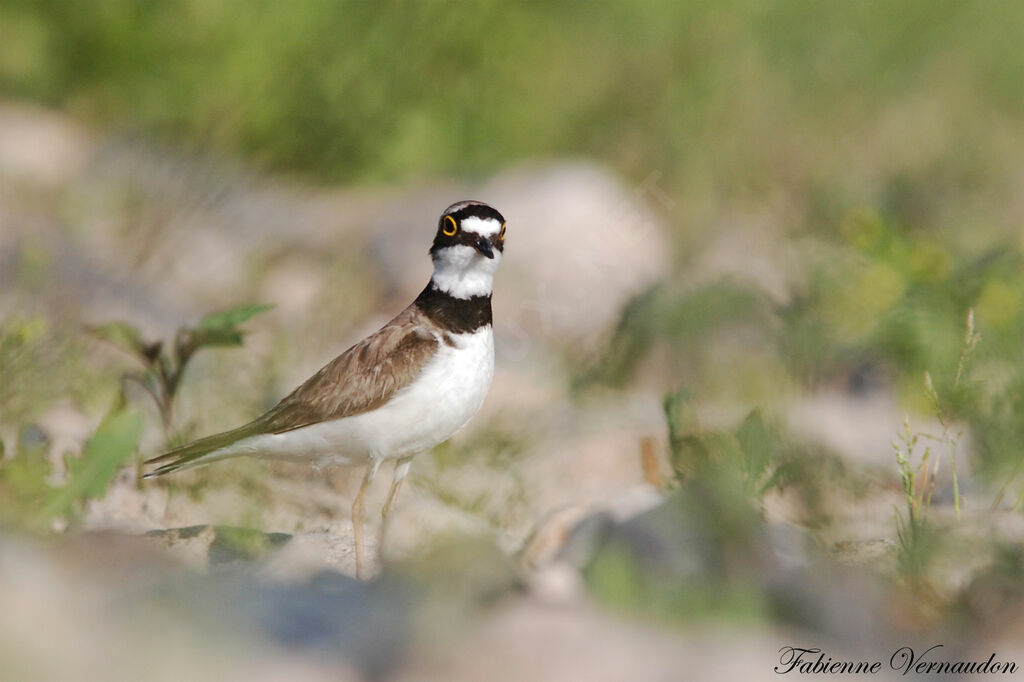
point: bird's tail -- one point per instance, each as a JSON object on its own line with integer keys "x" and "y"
{"x": 193, "y": 454}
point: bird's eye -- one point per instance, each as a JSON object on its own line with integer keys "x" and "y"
{"x": 450, "y": 227}
{"x": 501, "y": 235}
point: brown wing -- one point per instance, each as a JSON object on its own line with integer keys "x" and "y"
{"x": 362, "y": 378}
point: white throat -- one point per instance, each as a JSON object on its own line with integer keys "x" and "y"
{"x": 464, "y": 272}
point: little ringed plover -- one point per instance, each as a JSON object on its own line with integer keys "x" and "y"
{"x": 400, "y": 391}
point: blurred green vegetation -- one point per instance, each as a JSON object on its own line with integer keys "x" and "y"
{"x": 27, "y": 498}
{"x": 707, "y": 551}
{"x": 883, "y": 301}
{"x": 41, "y": 362}
{"x": 724, "y": 101}
{"x": 163, "y": 365}
{"x": 114, "y": 443}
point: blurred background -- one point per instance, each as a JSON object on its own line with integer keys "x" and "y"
{"x": 759, "y": 333}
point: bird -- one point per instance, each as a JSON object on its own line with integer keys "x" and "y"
{"x": 400, "y": 391}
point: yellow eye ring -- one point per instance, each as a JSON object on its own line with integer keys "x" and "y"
{"x": 450, "y": 227}
{"x": 501, "y": 234}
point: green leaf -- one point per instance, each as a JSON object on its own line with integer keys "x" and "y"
{"x": 114, "y": 442}
{"x": 197, "y": 338}
{"x": 759, "y": 443}
{"x": 229, "y": 319}
{"x": 679, "y": 415}
{"x": 120, "y": 334}
{"x": 23, "y": 484}
{"x": 221, "y": 329}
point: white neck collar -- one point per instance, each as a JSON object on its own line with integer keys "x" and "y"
{"x": 461, "y": 271}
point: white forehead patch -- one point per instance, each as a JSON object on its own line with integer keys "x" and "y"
{"x": 485, "y": 227}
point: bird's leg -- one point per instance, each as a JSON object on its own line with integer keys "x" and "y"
{"x": 358, "y": 509}
{"x": 401, "y": 470}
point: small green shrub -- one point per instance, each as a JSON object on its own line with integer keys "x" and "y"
{"x": 164, "y": 365}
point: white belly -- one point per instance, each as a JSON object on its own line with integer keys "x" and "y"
{"x": 447, "y": 393}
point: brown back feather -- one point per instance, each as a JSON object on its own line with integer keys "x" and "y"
{"x": 362, "y": 378}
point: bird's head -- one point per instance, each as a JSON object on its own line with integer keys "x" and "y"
{"x": 468, "y": 248}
